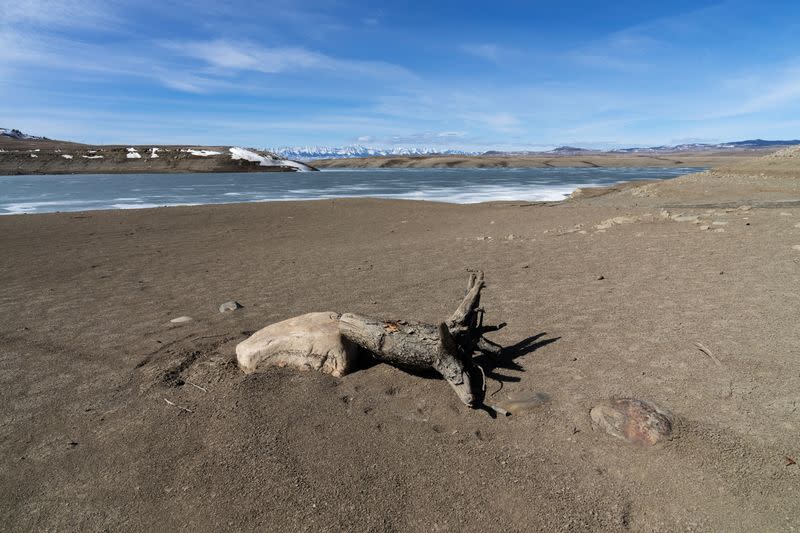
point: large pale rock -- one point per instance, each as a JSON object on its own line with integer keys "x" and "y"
{"x": 307, "y": 342}
{"x": 636, "y": 421}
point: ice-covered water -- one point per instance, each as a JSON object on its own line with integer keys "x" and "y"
{"x": 39, "y": 194}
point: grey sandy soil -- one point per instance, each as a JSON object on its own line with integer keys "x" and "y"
{"x": 88, "y": 442}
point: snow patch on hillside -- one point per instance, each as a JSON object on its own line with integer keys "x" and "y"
{"x": 265, "y": 161}
{"x": 201, "y": 153}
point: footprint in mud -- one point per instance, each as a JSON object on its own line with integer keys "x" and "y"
{"x": 173, "y": 377}
{"x": 171, "y": 364}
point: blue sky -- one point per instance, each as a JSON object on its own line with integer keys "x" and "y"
{"x": 474, "y": 75}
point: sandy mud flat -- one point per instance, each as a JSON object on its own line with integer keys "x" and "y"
{"x": 673, "y": 159}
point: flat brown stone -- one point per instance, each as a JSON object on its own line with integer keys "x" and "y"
{"x": 637, "y": 421}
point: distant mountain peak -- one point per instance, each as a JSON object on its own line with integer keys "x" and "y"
{"x": 751, "y": 144}
{"x": 570, "y": 150}
{"x": 16, "y": 134}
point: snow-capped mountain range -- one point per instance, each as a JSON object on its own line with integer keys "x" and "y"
{"x": 308, "y": 153}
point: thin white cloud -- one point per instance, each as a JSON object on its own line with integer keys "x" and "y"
{"x": 55, "y": 13}
{"x": 771, "y": 93}
{"x": 751, "y": 92}
{"x": 488, "y": 51}
{"x": 241, "y": 56}
{"x": 629, "y": 50}
{"x": 608, "y": 61}
{"x": 501, "y": 121}
{"x": 426, "y": 138}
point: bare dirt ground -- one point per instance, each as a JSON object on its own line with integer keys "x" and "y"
{"x": 602, "y": 299}
{"x": 770, "y": 181}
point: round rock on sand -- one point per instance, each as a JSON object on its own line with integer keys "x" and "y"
{"x": 637, "y": 421}
{"x": 227, "y": 307}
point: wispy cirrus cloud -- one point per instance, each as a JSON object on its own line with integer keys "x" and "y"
{"x": 248, "y": 56}
{"x": 763, "y": 91}
{"x": 440, "y": 138}
{"x": 487, "y": 51}
{"x": 630, "y": 50}
{"x": 56, "y": 13}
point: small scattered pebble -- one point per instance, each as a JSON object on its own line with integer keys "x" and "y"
{"x": 181, "y": 320}
{"x": 720, "y": 223}
{"x": 229, "y": 306}
{"x": 601, "y": 277}
{"x": 704, "y": 228}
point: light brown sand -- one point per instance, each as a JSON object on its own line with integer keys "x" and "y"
{"x": 677, "y": 159}
{"x": 88, "y": 442}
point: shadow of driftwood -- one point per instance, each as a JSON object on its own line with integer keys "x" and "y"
{"x": 506, "y": 359}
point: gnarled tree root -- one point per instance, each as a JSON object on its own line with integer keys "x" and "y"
{"x": 447, "y": 347}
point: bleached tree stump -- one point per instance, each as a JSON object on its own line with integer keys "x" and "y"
{"x": 446, "y": 348}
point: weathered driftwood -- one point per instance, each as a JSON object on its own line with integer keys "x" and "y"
{"x": 447, "y": 347}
